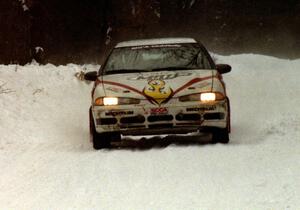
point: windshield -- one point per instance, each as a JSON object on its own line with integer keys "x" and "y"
{"x": 156, "y": 57}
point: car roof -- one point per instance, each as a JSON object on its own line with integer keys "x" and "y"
{"x": 143, "y": 42}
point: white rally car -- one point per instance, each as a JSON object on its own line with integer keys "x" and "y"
{"x": 158, "y": 86}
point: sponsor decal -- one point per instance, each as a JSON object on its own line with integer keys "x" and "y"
{"x": 161, "y": 76}
{"x": 199, "y": 109}
{"x": 114, "y": 89}
{"x": 159, "y": 110}
{"x": 157, "y": 91}
{"x": 118, "y": 113}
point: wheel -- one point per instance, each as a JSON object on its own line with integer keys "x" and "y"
{"x": 229, "y": 116}
{"x": 99, "y": 140}
{"x": 220, "y": 135}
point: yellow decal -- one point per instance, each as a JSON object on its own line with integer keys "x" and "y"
{"x": 157, "y": 91}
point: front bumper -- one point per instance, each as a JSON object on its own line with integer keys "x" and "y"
{"x": 151, "y": 119}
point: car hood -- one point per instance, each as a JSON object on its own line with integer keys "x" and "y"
{"x": 158, "y": 85}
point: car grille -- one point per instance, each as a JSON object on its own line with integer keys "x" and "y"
{"x": 214, "y": 116}
{"x": 188, "y": 117}
{"x": 134, "y": 119}
{"x": 157, "y": 118}
{"x": 160, "y": 120}
{"x": 107, "y": 121}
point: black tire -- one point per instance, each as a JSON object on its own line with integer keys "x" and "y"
{"x": 229, "y": 116}
{"x": 99, "y": 140}
{"x": 220, "y": 135}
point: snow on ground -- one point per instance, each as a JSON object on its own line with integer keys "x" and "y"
{"x": 47, "y": 162}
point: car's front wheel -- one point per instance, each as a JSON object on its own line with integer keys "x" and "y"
{"x": 101, "y": 140}
{"x": 220, "y": 135}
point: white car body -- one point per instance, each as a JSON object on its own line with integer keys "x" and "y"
{"x": 160, "y": 108}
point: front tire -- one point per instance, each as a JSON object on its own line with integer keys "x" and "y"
{"x": 220, "y": 135}
{"x": 99, "y": 140}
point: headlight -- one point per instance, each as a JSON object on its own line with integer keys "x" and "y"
{"x": 110, "y": 101}
{"x": 203, "y": 97}
{"x": 207, "y": 97}
{"x": 107, "y": 101}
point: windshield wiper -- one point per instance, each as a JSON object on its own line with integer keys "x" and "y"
{"x": 121, "y": 71}
{"x": 173, "y": 68}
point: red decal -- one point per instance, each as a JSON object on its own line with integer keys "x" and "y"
{"x": 191, "y": 82}
{"x": 121, "y": 85}
{"x": 159, "y": 110}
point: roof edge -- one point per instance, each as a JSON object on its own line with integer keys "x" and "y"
{"x": 143, "y": 42}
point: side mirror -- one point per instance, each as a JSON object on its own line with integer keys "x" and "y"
{"x": 91, "y": 76}
{"x": 223, "y": 68}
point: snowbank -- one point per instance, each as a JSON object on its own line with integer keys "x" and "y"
{"x": 47, "y": 162}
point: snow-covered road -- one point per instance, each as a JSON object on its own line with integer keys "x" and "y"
{"x": 47, "y": 162}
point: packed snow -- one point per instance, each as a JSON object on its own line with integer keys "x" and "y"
{"x": 47, "y": 161}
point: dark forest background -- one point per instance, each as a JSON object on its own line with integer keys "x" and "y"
{"x": 83, "y": 31}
